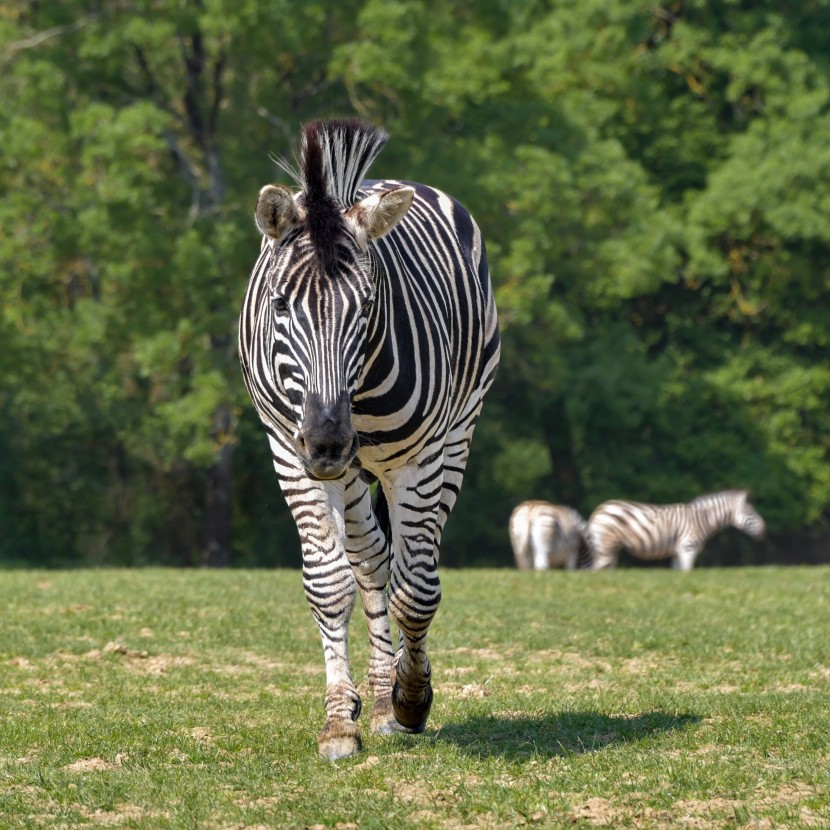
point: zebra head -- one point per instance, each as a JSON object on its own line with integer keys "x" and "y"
{"x": 747, "y": 518}
{"x": 322, "y": 285}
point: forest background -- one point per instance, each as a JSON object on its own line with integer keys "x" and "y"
{"x": 652, "y": 181}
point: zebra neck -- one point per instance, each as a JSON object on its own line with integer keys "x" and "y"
{"x": 713, "y": 513}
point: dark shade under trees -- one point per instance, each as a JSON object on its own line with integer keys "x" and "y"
{"x": 652, "y": 182}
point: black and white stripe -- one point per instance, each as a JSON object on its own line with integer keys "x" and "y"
{"x": 368, "y": 338}
{"x": 660, "y": 531}
{"x": 545, "y": 535}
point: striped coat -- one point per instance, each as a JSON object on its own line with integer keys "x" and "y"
{"x": 368, "y": 339}
{"x": 545, "y": 535}
{"x": 660, "y": 531}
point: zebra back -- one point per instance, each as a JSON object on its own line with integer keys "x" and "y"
{"x": 544, "y": 535}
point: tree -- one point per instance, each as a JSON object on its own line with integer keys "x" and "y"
{"x": 127, "y": 119}
{"x": 651, "y": 184}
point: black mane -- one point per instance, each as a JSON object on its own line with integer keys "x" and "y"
{"x": 334, "y": 158}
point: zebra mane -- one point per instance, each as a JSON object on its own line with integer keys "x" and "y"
{"x": 716, "y": 510}
{"x": 732, "y": 497}
{"x": 335, "y": 156}
{"x": 334, "y": 159}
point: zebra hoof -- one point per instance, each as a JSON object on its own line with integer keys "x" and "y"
{"x": 382, "y": 719}
{"x": 339, "y": 739}
{"x": 411, "y": 715}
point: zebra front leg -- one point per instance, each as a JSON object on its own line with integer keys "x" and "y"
{"x": 319, "y": 511}
{"x": 414, "y": 587}
{"x": 684, "y": 557}
{"x": 340, "y": 737}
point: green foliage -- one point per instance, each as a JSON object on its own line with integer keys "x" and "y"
{"x": 651, "y": 182}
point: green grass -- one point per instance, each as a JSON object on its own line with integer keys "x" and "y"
{"x": 635, "y": 698}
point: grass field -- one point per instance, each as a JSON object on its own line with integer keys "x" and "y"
{"x": 635, "y": 698}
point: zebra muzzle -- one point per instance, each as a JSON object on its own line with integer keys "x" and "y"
{"x": 326, "y": 442}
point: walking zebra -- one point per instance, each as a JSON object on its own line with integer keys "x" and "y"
{"x": 659, "y": 531}
{"x": 368, "y": 338}
{"x": 546, "y": 536}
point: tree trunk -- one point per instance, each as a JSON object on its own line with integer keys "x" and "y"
{"x": 219, "y": 511}
{"x": 566, "y": 476}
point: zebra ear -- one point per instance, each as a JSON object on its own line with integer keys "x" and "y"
{"x": 276, "y": 211}
{"x": 378, "y": 214}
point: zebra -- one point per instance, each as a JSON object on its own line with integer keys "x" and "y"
{"x": 368, "y": 338}
{"x": 659, "y": 531}
{"x": 545, "y": 535}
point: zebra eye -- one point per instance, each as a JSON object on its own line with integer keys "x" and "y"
{"x": 279, "y": 305}
{"x": 367, "y": 306}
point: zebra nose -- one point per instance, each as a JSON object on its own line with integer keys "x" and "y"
{"x": 326, "y": 442}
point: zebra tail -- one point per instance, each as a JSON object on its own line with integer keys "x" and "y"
{"x": 520, "y": 540}
{"x": 584, "y": 557}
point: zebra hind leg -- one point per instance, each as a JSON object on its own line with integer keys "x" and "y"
{"x": 368, "y": 550}
{"x": 603, "y": 559}
{"x": 412, "y": 696}
{"x": 413, "y": 611}
{"x": 414, "y": 587}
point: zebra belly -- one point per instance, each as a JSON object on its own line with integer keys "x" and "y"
{"x": 658, "y": 545}
{"x": 644, "y": 531}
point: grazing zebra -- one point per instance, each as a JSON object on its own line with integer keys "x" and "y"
{"x": 659, "y": 531}
{"x": 546, "y": 536}
{"x": 368, "y": 339}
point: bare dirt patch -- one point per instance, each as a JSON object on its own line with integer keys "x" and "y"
{"x": 249, "y": 662}
{"x": 139, "y": 660}
{"x": 569, "y": 660}
{"x": 642, "y": 665}
{"x": 597, "y": 811}
{"x": 700, "y": 814}
{"x": 70, "y": 704}
{"x": 482, "y": 653}
{"x": 369, "y": 761}
{"x": 114, "y": 818}
{"x": 708, "y": 806}
{"x": 465, "y": 691}
{"x": 202, "y": 735}
{"x": 90, "y": 765}
{"x": 482, "y": 822}
{"x": 455, "y": 671}
{"x": 593, "y": 683}
{"x": 423, "y": 795}
{"x": 790, "y": 793}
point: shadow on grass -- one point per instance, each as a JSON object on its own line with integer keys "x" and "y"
{"x": 566, "y": 733}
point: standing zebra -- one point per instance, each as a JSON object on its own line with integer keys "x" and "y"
{"x": 659, "y": 531}
{"x": 546, "y": 536}
{"x": 368, "y": 338}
